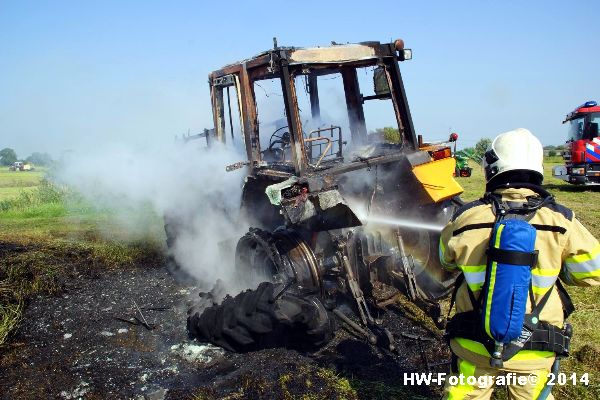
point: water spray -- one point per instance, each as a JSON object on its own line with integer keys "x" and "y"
{"x": 403, "y": 223}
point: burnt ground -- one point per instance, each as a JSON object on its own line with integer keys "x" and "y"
{"x": 79, "y": 345}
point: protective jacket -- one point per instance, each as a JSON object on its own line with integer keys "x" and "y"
{"x": 566, "y": 251}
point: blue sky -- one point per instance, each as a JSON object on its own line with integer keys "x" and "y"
{"x": 79, "y": 74}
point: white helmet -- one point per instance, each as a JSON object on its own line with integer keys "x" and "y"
{"x": 514, "y": 150}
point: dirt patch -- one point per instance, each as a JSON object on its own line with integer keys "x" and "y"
{"x": 589, "y": 355}
{"x": 78, "y": 345}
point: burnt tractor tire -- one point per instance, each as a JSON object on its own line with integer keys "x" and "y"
{"x": 258, "y": 319}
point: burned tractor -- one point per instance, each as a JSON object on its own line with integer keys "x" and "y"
{"x": 340, "y": 209}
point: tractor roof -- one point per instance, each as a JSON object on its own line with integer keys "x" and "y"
{"x": 334, "y": 54}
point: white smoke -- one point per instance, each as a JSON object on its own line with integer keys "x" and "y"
{"x": 186, "y": 183}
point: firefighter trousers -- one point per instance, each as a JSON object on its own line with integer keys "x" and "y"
{"x": 471, "y": 382}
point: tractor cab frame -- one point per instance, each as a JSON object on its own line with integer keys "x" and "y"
{"x": 292, "y": 148}
{"x": 326, "y": 194}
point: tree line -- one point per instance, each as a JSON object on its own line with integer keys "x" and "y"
{"x": 392, "y": 135}
{"x": 481, "y": 146}
{"x": 8, "y": 157}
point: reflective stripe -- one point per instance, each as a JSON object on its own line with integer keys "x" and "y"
{"x": 522, "y": 355}
{"x": 472, "y": 268}
{"x": 583, "y": 275}
{"x": 584, "y": 266}
{"x": 542, "y": 378}
{"x": 498, "y": 235}
{"x": 540, "y": 291}
{"x": 580, "y": 258}
{"x": 546, "y": 271}
{"x": 488, "y": 305}
{"x": 474, "y": 276}
{"x": 459, "y": 392}
{"x": 492, "y": 282}
{"x": 542, "y": 281}
{"x": 442, "y": 253}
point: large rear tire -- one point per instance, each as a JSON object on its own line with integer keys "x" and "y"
{"x": 256, "y": 319}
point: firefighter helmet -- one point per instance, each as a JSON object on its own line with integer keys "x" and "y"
{"x": 516, "y": 150}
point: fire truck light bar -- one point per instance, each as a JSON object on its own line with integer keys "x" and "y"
{"x": 590, "y": 103}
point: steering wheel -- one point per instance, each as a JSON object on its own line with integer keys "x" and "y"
{"x": 280, "y": 137}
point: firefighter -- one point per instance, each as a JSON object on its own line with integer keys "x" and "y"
{"x": 564, "y": 251}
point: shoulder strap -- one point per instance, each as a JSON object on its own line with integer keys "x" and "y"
{"x": 475, "y": 304}
{"x": 565, "y": 299}
{"x": 568, "y": 306}
{"x": 545, "y": 196}
{"x": 459, "y": 280}
{"x": 536, "y": 308}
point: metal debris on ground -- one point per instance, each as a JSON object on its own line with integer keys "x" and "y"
{"x": 134, "y": 320}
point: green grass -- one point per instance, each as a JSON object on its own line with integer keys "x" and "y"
{"x": 57, "y": 234}
{"x": 13, "y": 183}
{"x": 21, "y": 178}
{"x": 7, "y": 193}
{"x": 315, "y": 383}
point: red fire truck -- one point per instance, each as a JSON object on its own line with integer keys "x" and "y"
{"x": 582, "y": 153}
